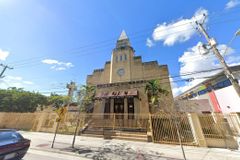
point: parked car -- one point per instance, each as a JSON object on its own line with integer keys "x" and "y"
{"x": 12, "y": 145}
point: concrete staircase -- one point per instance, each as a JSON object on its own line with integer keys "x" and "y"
{"x": 115, "y": 134}
{"x": 91, "y": 129}
{"x": 133, "y": 136}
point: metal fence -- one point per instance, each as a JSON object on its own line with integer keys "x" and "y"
{"x": 213, "y": 125}
{"x": 168, "y": 128}
{"x": 234, "y": 123}
{"x": 132, "y": 122}
{"x": 164, "y": 127}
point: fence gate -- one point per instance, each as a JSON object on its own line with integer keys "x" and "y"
{"x": 165, "y": 126}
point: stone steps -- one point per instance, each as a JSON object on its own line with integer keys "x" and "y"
{"x": 92, "y": 135}
{"x": 109, "y": 134}
{"x": 130, "y": 138}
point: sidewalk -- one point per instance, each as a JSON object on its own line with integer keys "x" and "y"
{"x": 98, "y": 148}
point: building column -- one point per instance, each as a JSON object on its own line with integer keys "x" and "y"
{"x": 136, "y": 106}
{"x": 197, "y": 130}
{"x": 103, "y": 108}
{"x": 111, "y": 106}
{"x": 125, "y": 108}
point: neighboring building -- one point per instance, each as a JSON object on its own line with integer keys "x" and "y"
{"x": 120, "y": 85}
{"x": 193, "y": 106}
{"x": 218, "y": 90}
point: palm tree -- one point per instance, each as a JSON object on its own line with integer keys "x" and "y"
{"x": 154, "y": 92}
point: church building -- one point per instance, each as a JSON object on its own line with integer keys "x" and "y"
{"x": 120, "y": 85}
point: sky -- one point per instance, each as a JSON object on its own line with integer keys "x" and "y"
{"x": 50, "y": 43}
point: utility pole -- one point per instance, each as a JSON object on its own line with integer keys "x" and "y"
{"x": 4, "y": 69}
{"x": 213, "y": 45}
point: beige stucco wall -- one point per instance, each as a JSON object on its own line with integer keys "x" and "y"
{"x": 28, "y": 121}
{"x": 38, "y": 121}
{"x": 23, "y": 121}
{"x": 135, "y": 70}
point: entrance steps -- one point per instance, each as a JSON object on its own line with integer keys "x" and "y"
{"x": 115, "y": 134}
{"x": 134, "y": 136}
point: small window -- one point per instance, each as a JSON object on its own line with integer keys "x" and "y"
{"x": 116, "y": 58}
{"x": 220, "y": 85}
{"x": 120, "y": 57}
{"x": 227, "y": 83}
{"x": 209, "y": 89}
{"x": 125, "y": 57}
{"x": 202, "y": 92}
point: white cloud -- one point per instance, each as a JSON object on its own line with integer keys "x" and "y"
{"x": 180, "y": 89}
{"x": 17, "y": 78}
{"x": 174, "y": 87}
{"x": 50, "y": 61}
{"x": 14, "y": 81}
{"x": 28, "y": 82}
{"x": 60, "y": 68}
{"x": 178, "y": 31}
{"x": 149, "y": 42}
{"x": 57, "y": 65}
{"x": 193, "y": 61}
{"x": 232, "y": 4}
{"x": 3, "y": 55}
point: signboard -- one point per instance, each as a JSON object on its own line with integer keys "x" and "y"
{"x": 61, "y": 113}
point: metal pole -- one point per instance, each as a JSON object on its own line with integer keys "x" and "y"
{"x": 179, "y": 138}
{"x": 80, "y": 101}
{"x": 75, "y": 132}
{"x": 226, "y": 69}
{"x": 55, "y": 134}
{"x": 4, "y": 69}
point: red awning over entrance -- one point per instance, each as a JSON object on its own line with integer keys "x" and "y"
{"x": 112, "y": 94}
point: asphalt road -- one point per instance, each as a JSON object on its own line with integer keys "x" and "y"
{"x": 43, "y": 155}
{"x": 32, "y": 156}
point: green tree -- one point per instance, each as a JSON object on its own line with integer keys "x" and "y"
{"x": 58, "y": 100}
{"x": 17, "y": 100}
{"x": 87, "y": 94}
{"x": 154, "y": 92}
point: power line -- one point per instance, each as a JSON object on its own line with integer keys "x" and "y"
{"x": 90, "y": 45}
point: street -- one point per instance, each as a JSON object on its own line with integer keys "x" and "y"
{"x": 44, "y": 155}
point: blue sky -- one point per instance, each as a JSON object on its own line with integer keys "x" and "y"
{"x": 74, "y": 37}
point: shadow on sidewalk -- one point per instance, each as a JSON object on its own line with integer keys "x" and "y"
{"x": 116, "y": 151}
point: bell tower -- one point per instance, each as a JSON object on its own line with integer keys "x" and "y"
{"x": 122, "y": 58}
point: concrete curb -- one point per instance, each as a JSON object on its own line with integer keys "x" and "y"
{"x": 50, "y": 150}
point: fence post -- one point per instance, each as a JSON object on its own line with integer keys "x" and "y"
{"x": 197, "y": 130}
{"x": 234, "y": 122}
{"x": 151, "y": 129}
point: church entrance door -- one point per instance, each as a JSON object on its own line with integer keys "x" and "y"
{"x": 119, "y": 107}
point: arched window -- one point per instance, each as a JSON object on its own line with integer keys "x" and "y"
{"x": 125, "y": 57}
{"x": 120, "y": 57}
